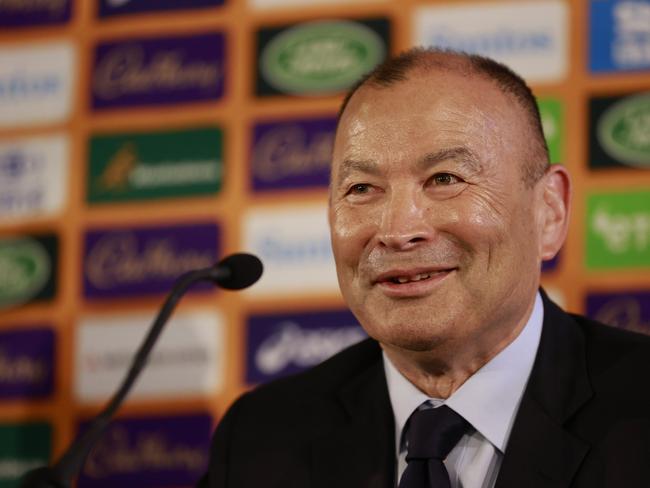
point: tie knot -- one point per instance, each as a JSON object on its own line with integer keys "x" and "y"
{"x": 433, "y": 433}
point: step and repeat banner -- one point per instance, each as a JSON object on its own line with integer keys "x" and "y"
{"x": 143, "y": 138}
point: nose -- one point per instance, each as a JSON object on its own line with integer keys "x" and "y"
{"x": 403, "y": 223}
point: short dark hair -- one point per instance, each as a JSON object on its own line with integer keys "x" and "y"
{"x": 397, "y": 70}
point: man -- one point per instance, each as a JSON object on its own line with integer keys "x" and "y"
{"x": 442, "y": 207}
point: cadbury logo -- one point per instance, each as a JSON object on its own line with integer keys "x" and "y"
{"x": 116, "y": 260}
{"x": 123, "y": 71}
{"x": 21, "y": 369}
{"x": 27, "y": 6}
{"x": 625, "y": 313}
{"x": 285, "y": 152}
{"x": 118, "y": 453}
{"x": 291, "y": 344}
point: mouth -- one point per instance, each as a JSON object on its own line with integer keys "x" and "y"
{"x": 411, "y": 283}
{"x": 400, "y": 280}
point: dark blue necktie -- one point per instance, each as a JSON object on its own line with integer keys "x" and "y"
{"x": 431, "y": 435}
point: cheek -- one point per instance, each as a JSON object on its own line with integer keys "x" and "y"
{"x": 350, "y": 232}
{"x": 471, "y": 222}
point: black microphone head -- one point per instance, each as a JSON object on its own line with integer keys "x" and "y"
{"x": 241, "y": 270}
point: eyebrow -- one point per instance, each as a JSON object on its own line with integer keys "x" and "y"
{"x": 349, "y": 166}
{"x": 461, "y": 154}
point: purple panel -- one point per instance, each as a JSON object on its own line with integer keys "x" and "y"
{"x": 283, "y": 344}
{"x": 158, "y": 71}
{"x": 155, "y": 451}
{"x": 26, "y": 363}
{"x": 28, "y": 14}
{"x": 292, "y": 153}
{"x": 108, "y": 8}
{"x": 127, "y": 262}
{"x": 627, "y": 310}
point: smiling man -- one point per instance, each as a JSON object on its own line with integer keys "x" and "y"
{"x": 442, "y": 207}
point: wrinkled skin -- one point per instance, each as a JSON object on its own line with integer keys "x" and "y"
{"x": 427, "y": 188}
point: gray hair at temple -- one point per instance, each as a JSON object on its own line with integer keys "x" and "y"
{"x": 423, "y": 60}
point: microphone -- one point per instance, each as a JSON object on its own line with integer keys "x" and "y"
{"x": 237, "y": 271}
{"x": 234, "y": 272}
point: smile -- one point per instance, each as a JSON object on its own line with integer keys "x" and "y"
{"x": 412, "y": 283}
{"x": 409, "y": 279}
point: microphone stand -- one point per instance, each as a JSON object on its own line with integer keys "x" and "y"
{"x": 62, "y": 473}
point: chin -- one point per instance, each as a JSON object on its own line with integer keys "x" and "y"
{"x": 409, "y": 338}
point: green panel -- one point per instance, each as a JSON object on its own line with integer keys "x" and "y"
{"x": 552, "y": 113}
{"x": 618, "y": 230}
{"x": 22, "y": 447}
{"x": 149, "y": 166}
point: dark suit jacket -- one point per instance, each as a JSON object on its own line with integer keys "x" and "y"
{"x": 584, "y": 420}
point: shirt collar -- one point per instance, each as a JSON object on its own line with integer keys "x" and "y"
{"x": 489, "y": 399}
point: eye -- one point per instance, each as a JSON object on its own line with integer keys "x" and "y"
{"x": 359, "y": 189}
{"x": 443, "y": 179}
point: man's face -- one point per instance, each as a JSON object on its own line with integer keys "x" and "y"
{"x": 435, "y": 235}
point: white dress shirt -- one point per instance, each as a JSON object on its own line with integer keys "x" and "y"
{"x": 489, "y": 400}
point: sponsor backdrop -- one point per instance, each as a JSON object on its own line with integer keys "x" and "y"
{"x": 143, "y": 138}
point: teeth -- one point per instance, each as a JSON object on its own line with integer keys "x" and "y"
{"x": 418, "y": 277}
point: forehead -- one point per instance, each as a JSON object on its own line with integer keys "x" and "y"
{"x": 430, "y": 113}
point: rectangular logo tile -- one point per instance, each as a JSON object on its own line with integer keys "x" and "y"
{"x": 188, "y": 358}
{"x": 155, "y": 165}
{"x": 33, "y": 177}
{"x": 618, "y": 230}
{"x": 159, "y": 71}
{"x": 320, "y": 57}
{"x": 110, "y": 8}
{"x": 619, "y": 35}
{"x": 293, "y": 242}
{"x": 28, "y": 269}
{"x": 39, "y": 86}
{"x": 529, "y": 37}
{"x": 170, "y": 451}
{"x": 137, "y": 261}
{"x": 629, "y": 309}
{"x": 618, "y": 131}
{"x": 26, "y": 363}
{"x": 287, "y": 343}
{"x": 290, "y": 154}
{"x": 26, "y": 13}
{"x": 23, "y": 447}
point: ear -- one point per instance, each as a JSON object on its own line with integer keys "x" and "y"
{"x": 555, "y": 205}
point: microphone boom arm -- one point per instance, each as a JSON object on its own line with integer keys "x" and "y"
{"x": 71, "y": 462}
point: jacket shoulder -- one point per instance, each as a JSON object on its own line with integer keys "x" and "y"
{"x": 616, "y": 358}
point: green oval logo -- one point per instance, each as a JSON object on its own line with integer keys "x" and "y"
{"x": 624, "y": 130}
{"x": 321, "y": 57}
{"x": 24, "y": 270}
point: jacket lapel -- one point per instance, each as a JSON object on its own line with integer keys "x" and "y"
{"x": 359, "y": 453}
{"x": 541, "y": 452}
